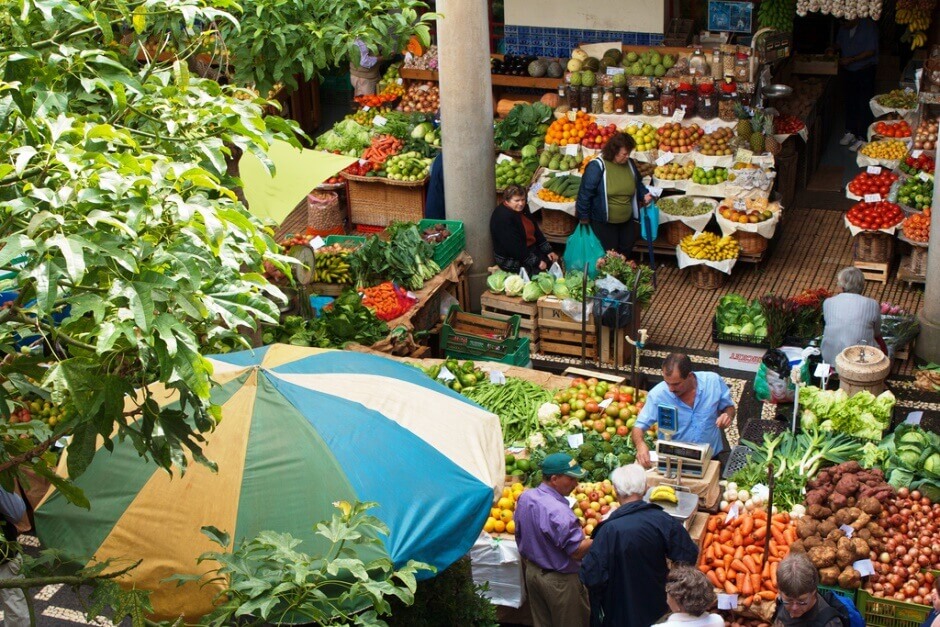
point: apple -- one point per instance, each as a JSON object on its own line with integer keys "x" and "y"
{"x": 623, "y": 430}
{"x": 604, "y": 509}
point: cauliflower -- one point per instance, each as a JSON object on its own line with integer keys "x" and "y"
{"x": 549, "y": 413}
{"x": 536, "y": 440}
{"x": 574, "y": 426}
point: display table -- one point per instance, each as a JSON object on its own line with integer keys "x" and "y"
{"x": 707, "y": 487}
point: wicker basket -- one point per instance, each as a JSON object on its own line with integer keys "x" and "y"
{"x": 379, "y": 202}
{"x": 673, "y": 232}
{"x": 917, "y": 261}
{"x": 874, "y": 247}
{"x": 751, "y": 243}
{"x": 558, "y": 223}
{"x": 707, "y": 278}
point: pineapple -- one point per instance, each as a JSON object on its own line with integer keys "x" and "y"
{"x": 770, "y": 142}
{"x": 744, "y": 125}
{"x": 757, "y": 130}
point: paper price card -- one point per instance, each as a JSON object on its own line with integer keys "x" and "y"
{"x": 604, "y": 404}
{"x": 708, "y": 168}
{"x": 445, "y": 374}
{"x": 923, "y": 176}
{"x": 678, "y": 115}
{"x": 733, "y": 511}
{"x": 711, "y": 127}
{"x": 847, "y": 530}
{"x": 665, "y": 158}
{"x": 497, "y": 377}
{"x": 379, "y": 121}
{"x": 916, "y": 153}
{"x": 864, "y": 567}
{"x": 399, "y": 81}
{"x": 575, "y": 440}
{"x": 611, "y": 71}
{"x": 366, "y": 108}
{"x": 822, "y": 370}
{"x": 740, "y": 205}
{"x": 914, "y": 418}
{"x": 874, "y": 169}
{"x": 572, "y": 150}
{"x": 727, "y": 601}
{"x": 655, "y": 191}
{"x": 317, "y": 243}
{"x": 872, "y": 197}
{"x": 744, "y": 155}
{"x": 503, "y": 157}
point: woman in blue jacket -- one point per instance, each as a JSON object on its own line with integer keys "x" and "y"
{"x": 611, "y": 195}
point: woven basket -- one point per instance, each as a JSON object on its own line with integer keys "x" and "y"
{"x": 874, "y": 247}
{"x": 917, "y": 262}
{"x": 673, "y": 232}
{"x": 751, "y": 243}
{"x": 377, "y": 203}
{"x": 558, "y": 223}
{"x": 381, "y": 179}
{"x": 319, "y": 211}
{"x": 707, "y": 278}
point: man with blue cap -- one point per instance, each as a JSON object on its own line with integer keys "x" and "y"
{"x": 551, "y": 544}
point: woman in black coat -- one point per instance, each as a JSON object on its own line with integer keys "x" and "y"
{"x": 518, "y": 241}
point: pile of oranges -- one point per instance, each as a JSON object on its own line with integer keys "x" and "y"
{"x": 917, "y": 227}
{"x": 500, "y": 519}
{"x": 563, "y": 131}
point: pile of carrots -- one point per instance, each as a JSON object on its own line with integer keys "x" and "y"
{"x": 732, "y": 554}
{"x": 387, "y": 301}
{"x": 383, "y": 147}
{"x": 375, "y": 100}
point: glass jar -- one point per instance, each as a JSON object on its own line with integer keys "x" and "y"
{"x": 573, "y": 93}
{"x": 620, "y": 101}
{"x": 634, "y": 101}
{"x": 651, "y": 101}
{"x": 685, "y": 98}
{"x": 608, "y": 100}
{"x": 597, "y": 100}
{"x": 716, "y": 64}
{"x": 585, "y": 102}
{"x": 698, "y": 64}
{"x": 667, "y": 101}
{"x": 562, "y": 88}
{"x": 706, "y": 104}
{"x": 742, "y": 68}
{"x": 729, "y": 98}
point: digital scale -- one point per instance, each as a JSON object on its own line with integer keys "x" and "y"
{"x": 675, "y": 459}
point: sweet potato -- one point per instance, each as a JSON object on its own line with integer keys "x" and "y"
{"x": 824, "y": 528}
{"x": 836, "y": 536}
{"x": 870, "y": 506}
{"x": 798, "y": 547}
{"x": 806, "y": 527}
{"x": 816, "y": 497}
{"x": 819, "y": 512}
{"x": 837, "y": 501}
{"x": 860, "y": 522}
{"x": 848, "y": 485}
{"x": 822, "y": 556}
{"x": 829, "y": 576}
{"x": 849, "y": 578}
{"x": 845, "y": 553}
{"x": 862, "y": 549}
{"x": 812, "y": 541}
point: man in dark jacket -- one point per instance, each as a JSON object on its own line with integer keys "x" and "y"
{"x": 625, "y": 569}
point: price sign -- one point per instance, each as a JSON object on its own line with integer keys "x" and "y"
{"x": 678, "y": 115}
{"x": 613, "y": 71}
{"x": 497, "y": 377}
{"x": 445, "y": 374}
{"x": 914, "y": 418}
{"x": 366, "y": 108}
{"x": 575, "y": 440}
{"x": 822, "y": 370}
{"x": 744, "y": 155}
{"x": 872, "y": 197}
{"x": 604, "y": 404}
{"x": 727, "y": 601}
{"x": 317, "y": 243}
{"x": 399, "y": 81}
{"x": 711, "y": 127}
{"x": 424, "y": 87}
{"x": 379, "y": 121}
{"x": 864, "y": 567}
{"x": 503, "y": 157}
{"x": 733, "y": 511}
{"x": 363, "y": 161}
{"x": 803, "y": 133}
{"x": 874, "y": 169}
{"x": 571, "y": 150}
{"x": 916, "y": 153}
{"x": 847, "y": 530}
{"x": 664, "y": 158}
{"x": 923, "y": 176}
{"x": 655, "y": 191}
{"x": 740, "y": 205}
{"x": 708, "y": 168}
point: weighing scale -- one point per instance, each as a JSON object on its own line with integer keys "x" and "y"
{"x": 688, "y": 458}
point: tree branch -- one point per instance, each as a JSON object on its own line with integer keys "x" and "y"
{"x": 25, "y": 583}
{"x": 36, "y": 451}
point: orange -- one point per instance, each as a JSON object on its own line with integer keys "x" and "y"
{"x": 506, "y": 501}
{"x": 499, "y": 526}
{"x": 490, "y": 525}
{"x": 511, "y": 527}
{"x": 506, "y": 515}
{"x": 494, "y": 512}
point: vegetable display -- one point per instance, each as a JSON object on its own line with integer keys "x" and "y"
{"x": 865, "y": 183}
{"x": 560, "y": 188}
{"x": 513, "y": 172}
{"x": 597, "y": 455}
{"x": 525, "y": 125}
{"x": 331, "y": 264}
{"x": 911, "y": 459}
{"x": 347, "y": 320}
{"x": 627, "y": 272}
{"x": 916, "y": 192}
{"x": 387, "y": 300}
{"x": 347, "y": 137}
{"x": 707, "y": 245}
{"x": 407, "y": 166}
{"x": 916, "y": 227}
{"x": 464, "y": 375}
{"x": 886, "y": 149}
{"x": 684, "y": 206}
{"x": 735, "y": 316}
{"x": 405, "y": 259}
{"x": 875, "y": 215}
{"x": 893, "y": 129}
{"x": 862, "y": 415}
{"x": 516, "y": 402}
{"x": 914, "y": 165}
{"x": 580, "y": 407}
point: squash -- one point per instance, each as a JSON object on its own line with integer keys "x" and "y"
{"x": 551, "y": 99}
{"x": 504, "y": 106}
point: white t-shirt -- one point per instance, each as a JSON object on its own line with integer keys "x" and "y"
{"x": 686, "y": 620}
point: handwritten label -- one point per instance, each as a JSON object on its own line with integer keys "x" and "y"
{"x": 733, "y": 512}
{"x": 678, "y": 115}
{"x": 711, "y": 127}
{"x": 822, "y": 370}
{"x": 740, "y": 205}
{"x": 847, "y": 530}
{"x": 575, "y": 440}
{"x": 366, "y": 108}
{"x": 872, "y": 197}
{"x": 317, "y": 243}
{"x": 916, "y": 153}
{"x": 613, "y": 71}
{"x": 864, "y": 567}
{"x": 744, "y": 155}
{"x": 727, "y": 601}
{"x": 503, "y": 157}
{"x": 497, "y": 377}
{"x": 379, "y": 121}
{"x": 655, "y": 191}
{"x": 604, "y": 404}
{"x": 571, "y": 150}
{"x": 923, "y": 176}
{"x": 914, "y": 418}
{"x": 873, "y": 169}
{"x": 665, "y": 158}
{"x": 445, "y": 374}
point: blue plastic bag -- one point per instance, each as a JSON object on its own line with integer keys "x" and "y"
{"x": 649, "y": 222}
{"x": 582, "y": 248}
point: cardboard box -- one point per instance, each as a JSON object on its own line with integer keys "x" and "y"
{"x": 742, "y": 358}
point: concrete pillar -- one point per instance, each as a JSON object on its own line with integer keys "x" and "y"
{"x": 927, "y": 346}
{"x": 467, "y": 127}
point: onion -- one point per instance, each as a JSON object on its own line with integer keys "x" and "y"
{"x": 916, "y": 495}
{"x": 903, "y": 493}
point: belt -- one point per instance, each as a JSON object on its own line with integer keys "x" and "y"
{"x": 531, "y": 564}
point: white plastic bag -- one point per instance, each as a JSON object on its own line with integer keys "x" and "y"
{"x": 555, "y": 271}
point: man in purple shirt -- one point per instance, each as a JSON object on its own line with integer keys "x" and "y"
{"x": 551, "y": 543}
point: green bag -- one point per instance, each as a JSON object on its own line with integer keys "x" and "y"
{"x": 582, "y": 248}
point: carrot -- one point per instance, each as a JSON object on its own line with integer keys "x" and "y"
{"x": 739, "y": 566}
{"x": 773, "y": 573}
{"x": 712, "y": 525}
{"x": 708, "y": 539}
{"x": 760, "y": 533}
{"x": 767, "y": 595}
{"x": 720, "y": 573}
{"x": 747, "y": 601}
{"x": 725, "y": 535}
{"x": 739, "y": 552}
{"x": 751, "y": 564}
{"x": 746, "y": 586}
{"x": 747, "y": 526}
{"x": 755, "y": 582}
{"x": 789, "y": 535}
{"x": 759, "y": 513}
{"x": 729, "y": 588}
{"x": 777, "y": 534}
{"x": 754, "y": 550}
{"x": 727, "y": 560}
{"x": 713, "y": 578}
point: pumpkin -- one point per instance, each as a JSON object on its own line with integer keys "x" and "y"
{"x": 551, "y": 99}
{"x": 504, "y": 106}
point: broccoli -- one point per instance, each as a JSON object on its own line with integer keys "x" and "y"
{"x": 599, "y": 474}
{"x": 586, "y": 452}
{"x": 607, "y": 447}
{"x": 589, "y": 465}
{"x": 626, "y": 458}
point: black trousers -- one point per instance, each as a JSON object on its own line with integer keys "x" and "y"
{"x": 618, "y": 237}
{"x": 859, "y": 89}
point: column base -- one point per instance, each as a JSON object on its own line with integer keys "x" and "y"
{"x": 927, "y": 346}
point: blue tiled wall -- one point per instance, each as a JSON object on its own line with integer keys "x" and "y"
{"x": 558, "y": 42}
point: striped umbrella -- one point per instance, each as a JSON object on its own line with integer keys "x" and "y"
{"x": 301, "y": 428}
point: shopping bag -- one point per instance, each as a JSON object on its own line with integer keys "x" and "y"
{"x": 649, "y": 222}
{"x": 583, "y": 248}
{"x": 613, "y": 308}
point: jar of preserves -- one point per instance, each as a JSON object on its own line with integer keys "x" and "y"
{"x": 686, "y": 98}
{"x": 698, "y": 64}
{"x": 742, "y": 68}
{"x": 727, "y": 101}
{"x": 717, "y": 67}
{"x": 706, "y": 104}
{"x": 651, "y": 101}
{"x": 620, "y": 101}
{"x": 608, "y": 100}
{"x": 634, "y": 101}
{"x": 573, "y": 93}
{"x": 597, "y": 100}
{"x": 562, "y": 88}
{"x": 585, "y": 104}
{"x": 667, "y": 101}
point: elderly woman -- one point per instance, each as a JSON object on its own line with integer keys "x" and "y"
{"x": 690, "y": 595}
{"x": 518, "y": 241}
{"x": 800, "y": 602}
{"x": 850, "y": 318}
{"x": 611, "y": 195}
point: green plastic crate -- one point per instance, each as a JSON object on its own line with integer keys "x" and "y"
{"x": 344, "y": 239}
{"x": 478, "y": 346}
{"x": 890, "y": 613}
{"x": 447, "y": 251}
{"x": 841, "y": 592}
{"x": 519, "y": 357}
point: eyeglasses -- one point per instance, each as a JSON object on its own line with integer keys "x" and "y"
{"x": 792, "y": 603}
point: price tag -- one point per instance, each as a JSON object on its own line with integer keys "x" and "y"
{"x": 572, "y": 115}
{"x": 654, "y": 456}
{"x": 708, "y": 102}
{"x": 613, "y": 71}
{"x": 872, "y": 197}
{"x": 822, "y": 371}
{"x": 803, "y": 133}
{"x": 744, "y": 155}
{"x": 424, "y": 87}
{"x": 740, "y": 205}
{"x": 497, "y": 377}
{"x": 664, "y": 158}
{"x": 914, "y": 418}
{"x": 711, "y": 127}
{"x": 874, "y": 169}
{"x": 317, "y": 243}
{"x": 655, "y": 191}
{"x": 363, "y": 161}
{"x": 572, "y": 150}
{"x": 727, "y": 601}
{"x": 399, "y": 81}
{"x": 678, "y": 115}
{"x": 864, "y": 567}
{"x": 379, "y": 121}
{"x": 604, "y": 404}
{"x": 707, "y": 168}
{"x": 366, "y": 108}
{"x": 733, "y": 511}
{"x": 923, "y": 176}
{"x": 445, "y": 374}
{"x": 575, "y": 440}
{"x": 503, "y": 157}
{"x": 848, "y": 530}
{"x": 916, "y": 153}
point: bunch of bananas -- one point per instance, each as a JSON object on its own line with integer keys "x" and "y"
{"x": 709, "y": 246}
{"x": 664, "y": 493}
{"x": 330, "y": 265}
{"x": 916, "y": 14}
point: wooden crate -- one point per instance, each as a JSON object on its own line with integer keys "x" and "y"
{"x": 461, "y": 291}
{"x": 502, "y": 306}
{"x": 551, "y": 316}
{"x": 873, "y": 271}
{"x": 326, "y": 289}
{"x": 567, "y": 343}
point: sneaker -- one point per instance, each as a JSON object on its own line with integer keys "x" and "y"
{"x": 858, "y": 144}
{"x": 847, "y": 139}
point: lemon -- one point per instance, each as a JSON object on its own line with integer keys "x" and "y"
{"x": 494, "y": 512}
{"x": 511, "y": 527}
{"x": 499, "y": 526}
{"x": 506, "y": 515}
{"x": 490, "y": 525}
{"x": 506, "y": 501}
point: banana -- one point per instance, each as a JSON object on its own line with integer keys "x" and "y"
{"x": 664, "y": 493}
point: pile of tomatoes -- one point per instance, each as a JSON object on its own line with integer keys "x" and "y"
{"x": 866, "y": 183}
{"x": 893, "y": 129}
{"x": 361, "y": 168}
{"x": 873, "y": 216}
{"x": 913, "y": 165}
{"x": 917, "y": 226}
{"x": 787, "y": 125}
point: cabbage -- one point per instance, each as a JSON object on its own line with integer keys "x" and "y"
{"x": 513, "y": 285}
{"x": 560, "y": 289}
{"x": 932, "y": 464}
{"x": 531, "y": 292}
{"x": 748, "y": 329}
{"x": 546, "y": 282}
{"x": 808, "y": 420}
{"x": 496, "y": 281}
{"x": 732, "y": 329}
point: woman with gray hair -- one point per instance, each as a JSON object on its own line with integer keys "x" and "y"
{"x": 850, "y": 318}
{"x": 690, "y": 595}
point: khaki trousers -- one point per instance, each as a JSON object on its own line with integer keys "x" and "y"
{"x": 556, "y": 599}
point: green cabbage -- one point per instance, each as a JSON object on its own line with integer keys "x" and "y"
{"x": 496, "y": 281}
{"x": 546, "y": 282}
{"x": 531, "y": 292}
{"x": 560, "y": 289}
{"x": 731, "y": 329}
{"x": 513, "y": 285}
{"x": 808, "y": 420}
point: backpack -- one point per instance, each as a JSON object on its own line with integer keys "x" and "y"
{"x": 839, "y": 607}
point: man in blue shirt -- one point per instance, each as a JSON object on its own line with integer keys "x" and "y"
{"x": 857, "y": 42}
{"x": 702, "y": 401}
